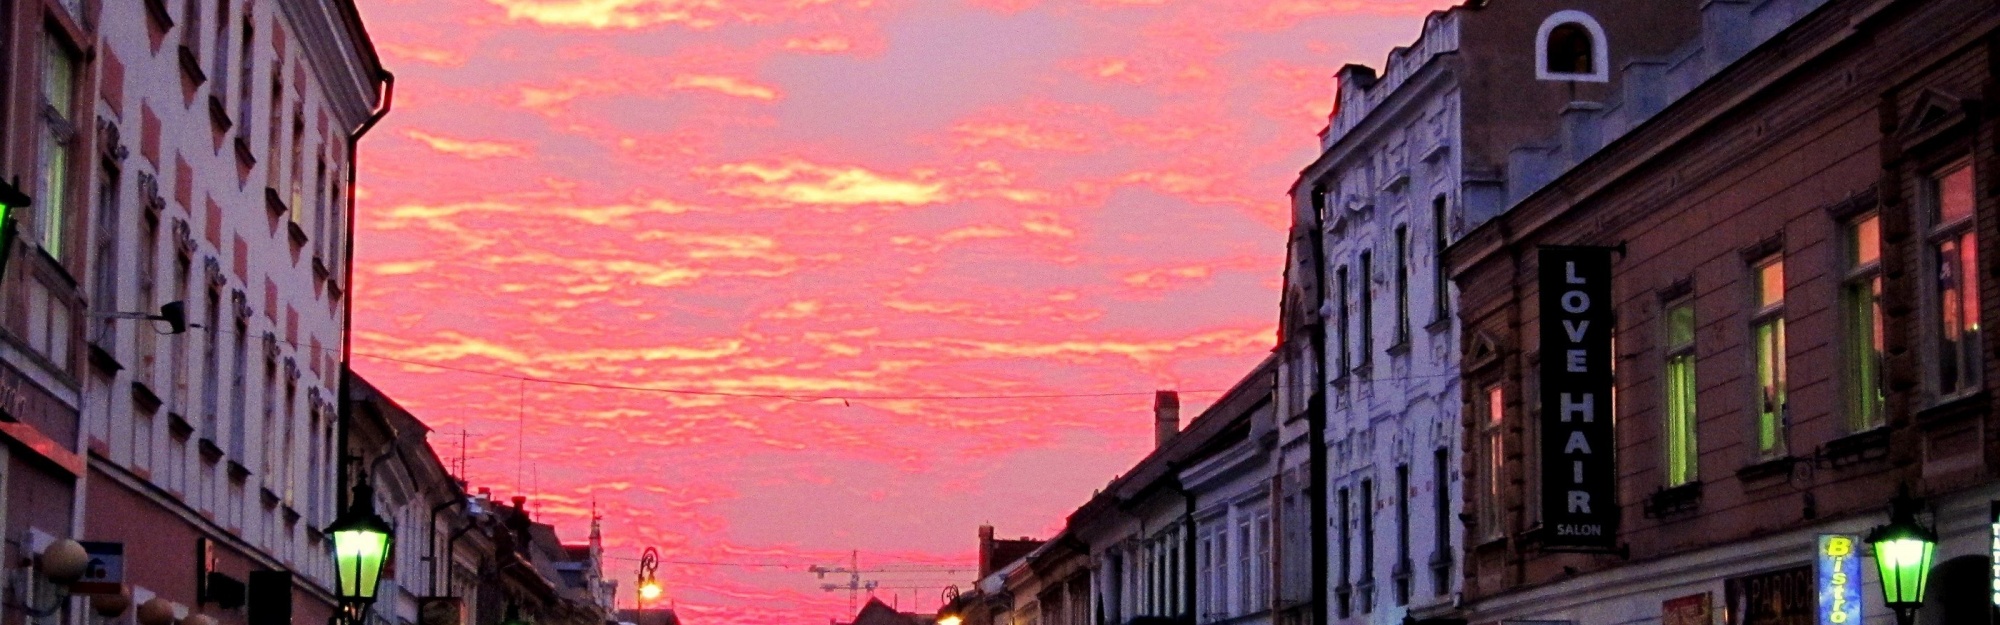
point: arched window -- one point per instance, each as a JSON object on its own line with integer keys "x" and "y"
{"x": 1571, "y": 46}
{"x": 1570, "y": 49}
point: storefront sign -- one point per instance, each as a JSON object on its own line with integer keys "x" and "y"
{"x": 1781, "y": 597}
{"x": 1688, "y": 610}
{"x": 1839, "y": 575}
{"x": 1579, "y": 480}
{"x": 1993, "y": 546}
{"x": 105, "y": 571}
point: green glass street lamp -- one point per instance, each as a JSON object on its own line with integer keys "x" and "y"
{"x": 361, "y": 543}
{"x": 11, "y": 198}
{"x": 1903, "y": 551}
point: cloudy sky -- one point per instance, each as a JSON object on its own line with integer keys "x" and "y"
{"x": 834, "y": 220}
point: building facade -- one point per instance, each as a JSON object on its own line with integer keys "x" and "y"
{"x": 1796, "y": 333}
{"x": 199, "y": 152}
{"x": 1412, "y": 157}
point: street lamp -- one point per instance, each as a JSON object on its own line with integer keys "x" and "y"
{"x": 948, "y": 611}
{"x": 11, "y": 198}
{"x": 1903, "y": 551}
{"x": 648, "y": 587}
{"x": 361, "y": 543}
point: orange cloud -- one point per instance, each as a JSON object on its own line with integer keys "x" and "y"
{"x": 629, "y": 14}
{"x": 823, "y": 43}
{"x": 726, "y": 85}
{"x": 799, "y": 182}
{"x": 468, "y": 148}
{"x": 423, "y": 54}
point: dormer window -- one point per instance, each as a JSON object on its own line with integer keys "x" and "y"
{"x": 1571, "y": 47}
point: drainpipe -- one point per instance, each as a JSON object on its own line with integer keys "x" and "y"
{"x": 343, "y": 411}
{"x": 1316, "y": 427}
{"x": 431, "y": 538}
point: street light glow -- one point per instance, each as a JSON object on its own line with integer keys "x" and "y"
{"x": 649, "y": 591}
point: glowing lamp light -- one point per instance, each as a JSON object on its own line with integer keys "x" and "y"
{"x": 361, "y": 542}
{"x": 649, "y": 591}
{"x": 950, "y": 619}
{"x": 1903, "y": 552}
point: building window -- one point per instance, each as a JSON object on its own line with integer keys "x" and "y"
{"x": 1571, "y": 47}
{"x": 274, "y": 131}
{"x": 59, "y": 131}
{"x": 1682, "y": 449}
{"x": 298, "y": 165}
{"x": 270, "y": 449}
{"x": 1861, "y": 309}
{"x": 104, "y": 256}
{"x": 1440, "y": 277}
{"x": 239, "y": 405}
{"x": 1366, "y": 332}
{"x": 1367, "y": 541}
{"x": 245, "y": 82}
{"x": 211, "y": 368}
{"x": 191, "y": 27}
{"x": 1402, "y": 569}
{"x": 147, "y": 282}
{"x": 1402, "y": 283}
{"x": 1489, "y": 499}
{"x": 1342, "y": 320}
{"x": 218, "y": 69}
{"x": 177, "y": 345}
{"x": 1767, "y": 333}
{"x": 1261, "y": 590}
{"x": 1954, "y": 263}
{"x": 1441, "y": 523}
{"x": 1342, "y": 530}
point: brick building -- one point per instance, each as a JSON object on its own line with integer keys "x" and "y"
{"x": 1797, "y": 328}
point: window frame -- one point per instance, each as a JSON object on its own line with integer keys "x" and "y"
{"x": 1935, "y": 232}
{"x": 1861, "y": 276}
{"x": 1769, "y": 316}
{"x": 1672, "y": 355}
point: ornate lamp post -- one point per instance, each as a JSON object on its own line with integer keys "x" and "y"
{"x": 1903, "y": 551}
{"x": 361, "y": 546}
{"x": 648, "y": 588}
{"x": 948, "y": 610}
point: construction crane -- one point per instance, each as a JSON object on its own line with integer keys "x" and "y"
{"x": 854, "y": 583}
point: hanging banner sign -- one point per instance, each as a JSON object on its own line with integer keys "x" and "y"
{"x": 1579, "y": 470}
{"x": 1838, "y": 570}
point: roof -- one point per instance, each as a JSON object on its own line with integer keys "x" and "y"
{"x": 1158, "y": 469}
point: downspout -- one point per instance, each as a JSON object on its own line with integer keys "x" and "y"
{"x": 1316, "y": 428}
{"x": 343, "y": 411}
{"x": 455, "y": 501}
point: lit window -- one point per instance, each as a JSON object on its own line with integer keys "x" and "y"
{"x": 1767, "y": 333}
{"x": 58, "y": 142}
{"x": 1489, "y": 505}
{"x": 1955, "y": 281}
{"x": 1861, "y": 304}
{"x": 1682, "y": 449}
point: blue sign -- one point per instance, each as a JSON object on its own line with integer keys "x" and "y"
{"x": 1838, "y": 568}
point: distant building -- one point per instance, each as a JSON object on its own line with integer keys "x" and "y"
{"x": 877, "y": 613}
{"x": 649, "y": 616}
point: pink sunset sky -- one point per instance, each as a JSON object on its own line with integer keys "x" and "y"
{"x": 868, "y": 199}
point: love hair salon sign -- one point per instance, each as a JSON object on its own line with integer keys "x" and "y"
{"x": 1579, "y": 467}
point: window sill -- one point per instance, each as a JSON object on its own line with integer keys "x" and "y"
{"x": 1857, "y": 448}
{"x": 103, "y": 360}
{"x": 144, "y": 399}
{"x": 1439, "y": 325}
{"x": 1675, "y": 501}
{"x": 1954, "y": 409}
{"x": 1401, "y": 347}
{"x": 209, "y": 451}
{"x": 1766, "y": 470}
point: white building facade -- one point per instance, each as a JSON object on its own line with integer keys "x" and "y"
{"x": 207, "y": 148}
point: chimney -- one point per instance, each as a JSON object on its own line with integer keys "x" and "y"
{"x": 521, "y": 503}
{"x": 1166, "y": 417}
{"x": 985, "y": 551}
